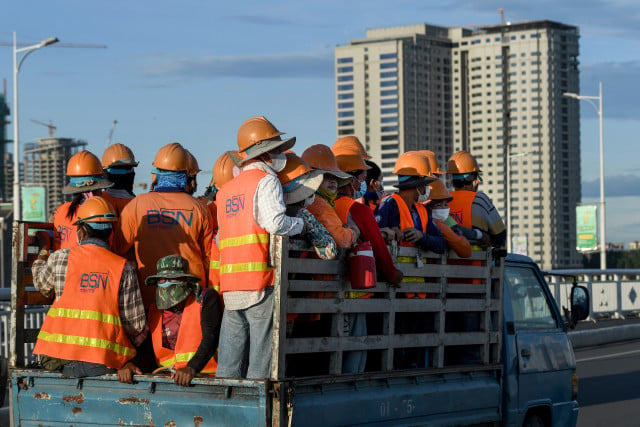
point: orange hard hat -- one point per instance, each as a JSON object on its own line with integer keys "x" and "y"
{"x": 320, "y": 157}
{"x": 349, "y": 159}
{"x": 192, "y": 164}
{"x": 298, "y": 180}
{"x": 95, "y": 209}
{"x": 438, "y": 191}
{"x": 462, "y": 162}
{"x": 118, "y": 155}
{"x": 258, "y": 135}
{"x": 433, "y": 162}
{"x": 172, "y": 157}
{"x": 353, "y": 142}
{"x": 412, "y": 163}
{"x": 84, "y": 163}
{"x": 295, "y": 167}
{"x": 224, "y": 169}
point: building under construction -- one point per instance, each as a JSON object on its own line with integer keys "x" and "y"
{"x": 45, "y": 163}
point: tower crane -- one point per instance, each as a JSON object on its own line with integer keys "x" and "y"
{"x": 50, "y": 125}
{"x": 113, "y": 126}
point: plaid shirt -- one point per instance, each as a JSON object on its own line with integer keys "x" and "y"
{"x": 50, "y": 275}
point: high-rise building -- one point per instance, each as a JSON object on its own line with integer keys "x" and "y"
{"x": 45, "y": 163}
{"x": 496, "y": 91}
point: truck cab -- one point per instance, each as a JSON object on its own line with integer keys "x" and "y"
{"x": 540, "y": 380}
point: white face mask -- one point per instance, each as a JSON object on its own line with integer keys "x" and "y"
{"x": 423, "y": 197}
{"x": 278, "y": 162}
{"x": 309, "y": 200}
{"x": 440, "y": 213}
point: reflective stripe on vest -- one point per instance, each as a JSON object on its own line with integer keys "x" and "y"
{"x": 89, "y": 306}
{"x": 188, "y": 341}
{"x": 460, "y": 207}
{"x": 243, "y": 244}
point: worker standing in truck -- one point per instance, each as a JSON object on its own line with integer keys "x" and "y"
{"x": 251, "y": 207}
{"x": 86, "y": 179}
{"x": 97, "y": 319}
{"x": 118, "y": 163}
{"x": 472, "y": 208}
{"x": 166, "y": 221}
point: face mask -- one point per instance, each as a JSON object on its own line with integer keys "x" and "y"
{"x": 278, "y": 162}
{"x": 423, "y": 197}
{"x": 440, "y": 213}
{"x": 309, "y": 200}
{"x": 360, "y": 192}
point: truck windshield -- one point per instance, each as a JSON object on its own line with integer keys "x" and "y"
{"x": 530, "y": 306}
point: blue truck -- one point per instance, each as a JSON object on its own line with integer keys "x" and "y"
{"x": 492, "y": 343}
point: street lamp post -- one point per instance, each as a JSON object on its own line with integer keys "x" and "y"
{"x": 598, "y": 107}
{"x": 16, "y": 144}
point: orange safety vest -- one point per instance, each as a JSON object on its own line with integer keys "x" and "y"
{"x": 118, "y": 203}
{"x": 243, "y": 244}
{"x": 214, "y": 255}
{"x": 460, "y": 207}
{"x": 343, "y": 206}
{"x": 406, "y": 221}
{"x": 64, "y": 232}
{"x": 460, "y": 210}
{"x": 189, "y": 338}
{"x": 84, "y": 323}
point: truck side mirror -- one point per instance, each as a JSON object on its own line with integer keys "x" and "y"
{"x": 579, "y": 303}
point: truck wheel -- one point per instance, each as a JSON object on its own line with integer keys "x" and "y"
{"x": 534, "y": 420}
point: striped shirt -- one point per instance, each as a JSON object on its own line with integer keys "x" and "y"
{"x": 50, "y": 275}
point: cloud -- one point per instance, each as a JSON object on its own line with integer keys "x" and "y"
{"x": 315, "y": 65}
{"x": 620, "y": 88}
{"x": 261, "y": 19}
{"x": 615, "y": 186}
{"x": 618, "y": 18}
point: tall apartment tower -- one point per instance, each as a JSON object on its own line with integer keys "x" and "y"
{"x": 496, "y": 91}
{"x": 45, "y": 163}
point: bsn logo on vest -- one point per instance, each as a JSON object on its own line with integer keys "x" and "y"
{"x": 457, "y": 216}
{"x": 89, "y": 282}
{"x": 169, "y": 217}
{"x": 63, "y": 233}
{"x": 234, "y": 204}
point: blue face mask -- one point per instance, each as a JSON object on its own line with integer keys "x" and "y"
{"x": 360, "y": 193}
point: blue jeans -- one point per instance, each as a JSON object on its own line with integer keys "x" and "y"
{"x": 250, "y": 327}
{"x": 354, "y": 362}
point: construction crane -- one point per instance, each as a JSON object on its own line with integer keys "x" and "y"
{"x": 113, "y": 126}
{"x": 50, "y": 125}
{"x": 502, "y": 20}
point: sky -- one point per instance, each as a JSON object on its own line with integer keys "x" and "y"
{"x": 192, "y": 71}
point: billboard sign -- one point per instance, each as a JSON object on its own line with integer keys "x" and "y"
{"x": 586, "y": 228}
{"x": 34, "y": 203}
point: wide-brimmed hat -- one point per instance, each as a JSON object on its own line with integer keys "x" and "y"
{"x": 85, "y": 184}
{"x": 171, "y": 267}
{"x": 409, "y": 181}
{"x": 302, "y": 187}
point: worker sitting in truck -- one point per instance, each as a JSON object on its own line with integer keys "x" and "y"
{"x": 86, "y": 179}
{"x": 97, "y": 319}
{"x": 118, "y": 163}
{"x": 184, "y": 321}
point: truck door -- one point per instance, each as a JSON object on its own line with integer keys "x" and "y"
{"x": 544, "y": 355}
